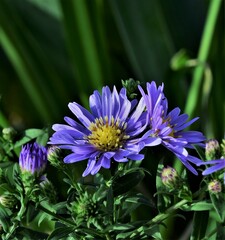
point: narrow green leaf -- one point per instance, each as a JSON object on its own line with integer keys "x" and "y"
{"x": 60, "y": 233}
{"x": 218, "y": 202}
{"x": 5, "y": 218}
{"x": 198, "y": 206}
{"x": 200, "y": 223}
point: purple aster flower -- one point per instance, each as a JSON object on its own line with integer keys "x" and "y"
{"x": 109, "y": 131}
{"x": 33, "y": 158}
{"x": 168, "y": 127}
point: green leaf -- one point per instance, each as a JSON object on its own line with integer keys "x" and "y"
{"x": 198, "y": 206}
{"x": 60, "y": 233}
{"x": 139, "y": 198}
{"x": 25, "y": 233}
{"x": 220, "y": 232}
{"x": 43, "y": 138}
{"x": 218, "y": 202}
{"x": 5, "y": 219}
{"x": 200, "y": 223}
{"x": 5, "y": 188}
{"x": 29, "y": 135}
{"x": 128, "y": 181}
{"x": 153, "y": 231}
{"x": 122, "y": 227}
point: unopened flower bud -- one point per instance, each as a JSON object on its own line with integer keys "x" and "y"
{"x": 54, "y": 156}
{"x": 8, "y": 200}
{"x": 170, "y": 177}
{"x": 8, "y": 133}
{"x": 33, "y": 158}
{"x": 212, "y": 149}
{"x": 32, "y": 161}
{"x": 215, "y": 186}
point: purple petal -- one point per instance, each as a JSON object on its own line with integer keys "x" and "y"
{"x": 90, "y": 166}
{"x": 214, "y": 168}
{"x": 82, "y": 114}
{"x": 136, "y": 157}
{"x": 95, "y": 104}
{"x": 73, "y": 157}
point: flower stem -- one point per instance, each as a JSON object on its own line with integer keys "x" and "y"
{"x": 162, "y": 216}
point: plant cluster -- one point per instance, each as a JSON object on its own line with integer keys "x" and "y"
{"x": 42, "y": 196}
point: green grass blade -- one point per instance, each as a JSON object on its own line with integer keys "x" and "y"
{"x": 204, "y": 49}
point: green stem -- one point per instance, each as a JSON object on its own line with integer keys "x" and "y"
{"x": 202, "y": 55}
{"x": 162, "y": 216}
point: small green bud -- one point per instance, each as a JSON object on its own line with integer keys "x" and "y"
{"x": 212, "y": 149}
{"x": 8, "y": 200}
{"x": 9, "y": 133}
{"x": 215, "y": 186}
{"x": 170, "y": 177}
{"x": 131, "y": 87}
{"x": 54, "y": 156}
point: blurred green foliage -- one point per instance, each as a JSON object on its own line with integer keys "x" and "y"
{"x": 54, "y": 52}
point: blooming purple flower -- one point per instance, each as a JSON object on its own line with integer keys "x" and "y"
{"x": 109, "y": 131}
{"x": 168, "y": 127}
{"x": 33, "y": 158}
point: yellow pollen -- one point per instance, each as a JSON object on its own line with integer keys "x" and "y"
{"x": 107, "y": 136}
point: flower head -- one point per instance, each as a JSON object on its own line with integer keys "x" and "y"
{"x": 168, "y": 128}
{"x": 33, "y": 158}
{"x": 212, "y": 149}
{"x": 109, "y": 131}
{"x": 170, "y": 177}
{"x": 215, "y": 186}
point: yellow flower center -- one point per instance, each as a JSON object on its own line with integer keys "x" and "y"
{"x": 107, "y": 136}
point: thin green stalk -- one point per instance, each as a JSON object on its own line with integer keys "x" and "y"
{"x": 202, "y": 55}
